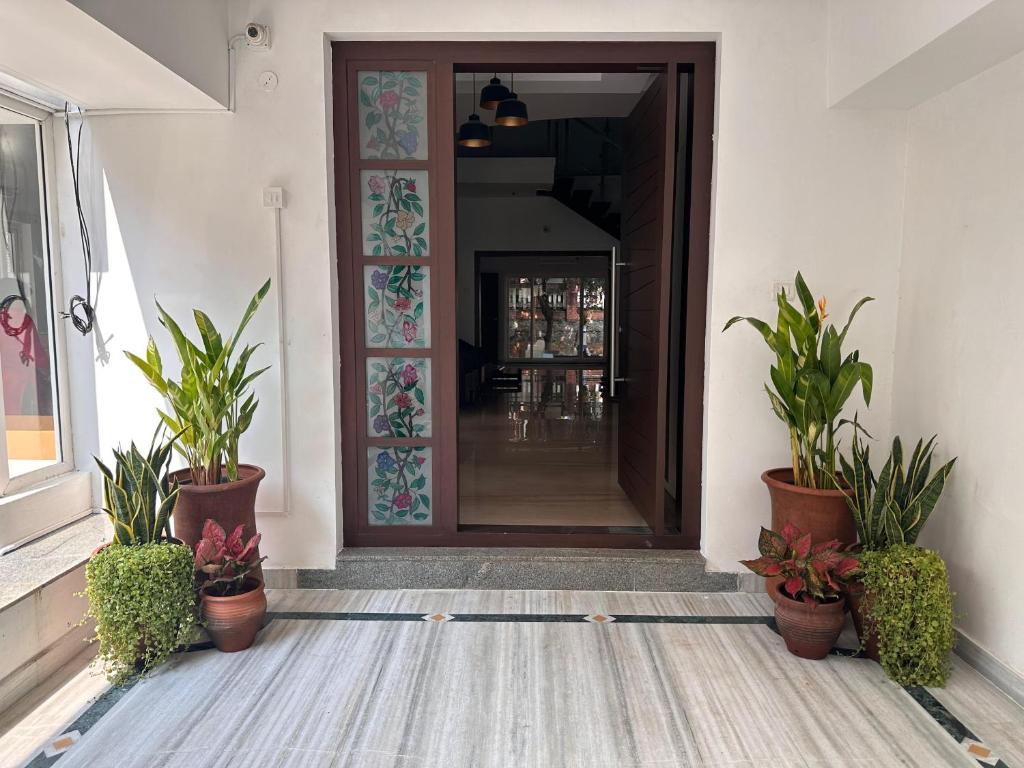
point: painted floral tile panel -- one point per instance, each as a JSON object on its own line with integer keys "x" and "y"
{"x": 398, "y": 397}
{"x": 395, "y": 213}
{"x": 392, "y": 115}
{"x": 400, "y": 489}
{"x": 397, "y": 306}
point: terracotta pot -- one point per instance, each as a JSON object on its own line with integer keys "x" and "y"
{"x": 810, "y": 631}
{"x": 230, "y": 504}
{"x": 822, "y": 513}
{"x": 860, "y": 603}
{"x": 234, "y": 620}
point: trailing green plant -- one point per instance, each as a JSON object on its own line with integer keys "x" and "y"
{"x": 138, "y": 496}
{"x": 911, "y": 610}
{"x": 143, "y": 600}
{"x": 211, "y": 406}
{"x": 811, "y": 381}
{"x": 893, "y": 507}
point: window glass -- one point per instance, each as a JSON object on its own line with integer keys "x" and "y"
{"x": 26, "y": 321}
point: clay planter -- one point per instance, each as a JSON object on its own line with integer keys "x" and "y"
{"x": 230, "y": 504}
{"x": 234, "y": 620}
{"x": 810, "y": 631}
{"x": 822, "y": 513}
{"x": 860, "y": 603}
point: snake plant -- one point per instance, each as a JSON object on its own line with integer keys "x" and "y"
{"x": 811, "y": 381}
{"x": 212, "y": 405}
{"x": 138, "y": 496}
{"x": 893, "y": 508}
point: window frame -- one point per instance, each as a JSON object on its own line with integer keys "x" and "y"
{"x": 45, "y": 139}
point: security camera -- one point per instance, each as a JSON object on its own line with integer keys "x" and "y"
{"x": 257, "y": 35}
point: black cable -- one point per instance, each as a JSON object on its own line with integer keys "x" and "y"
{"x": 80, "y": 309}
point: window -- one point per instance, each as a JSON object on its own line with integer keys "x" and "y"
{"x": 30, "y": 407}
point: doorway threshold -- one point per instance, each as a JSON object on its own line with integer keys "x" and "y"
{"x": 614, "y": 570}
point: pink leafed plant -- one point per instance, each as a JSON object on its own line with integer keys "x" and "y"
{"x": 225, "y": 560}
{"x": 814, "y": 573}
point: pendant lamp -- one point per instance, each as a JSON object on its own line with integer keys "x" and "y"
{"x": 511, "y": 112}
{"x": 474, "y": 133}
{"x": 493, "y": 94}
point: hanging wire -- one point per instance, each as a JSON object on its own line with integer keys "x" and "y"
{"x": 80, "y": 309}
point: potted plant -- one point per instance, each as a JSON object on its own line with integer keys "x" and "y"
{"x": 140, "y": 587}
{"x": 233, "y": 602}
{"x": 910, "y": 607}
{"x": 809, "y": 608}
{"x": 889, "y": 510}
{"x": 811, "y": 381}
{"x": 211, "y": 406}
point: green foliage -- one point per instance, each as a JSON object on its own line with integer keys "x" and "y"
{"x": 811, "y": 381}
{"x": 211, "y": 406}
{"x": 137, "y": 495}
{"x": 893, "y": 508}
{"x": 911, "y": 608}
{"x": 143, "y": 600}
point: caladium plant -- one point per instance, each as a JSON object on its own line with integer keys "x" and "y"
{"x": 814, "y": 573}
{"x": 225, "y": 560}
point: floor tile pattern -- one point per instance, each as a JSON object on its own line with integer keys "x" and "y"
{"x": 670, "y": 682}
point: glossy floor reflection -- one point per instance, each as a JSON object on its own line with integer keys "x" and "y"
{"x": 542, "y": 453}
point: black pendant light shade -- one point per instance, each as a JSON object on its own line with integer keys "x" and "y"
{"x": 493, "y": 94}
{"x": 511, "y": 112}
{"x": 473, "y": 133}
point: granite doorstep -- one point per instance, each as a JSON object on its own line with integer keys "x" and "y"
{"x": 565, "y": 569}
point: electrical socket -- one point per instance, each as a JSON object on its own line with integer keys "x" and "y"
{"x": 273, "y": 197}
{"x": 780, "y": 286}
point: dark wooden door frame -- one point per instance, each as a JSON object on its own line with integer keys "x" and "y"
{"x": 441, "y": 60}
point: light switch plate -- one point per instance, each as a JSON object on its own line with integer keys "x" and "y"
{"x": 273, "y": 197}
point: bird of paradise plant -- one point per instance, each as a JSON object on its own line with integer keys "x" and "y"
{"x": 811, "y": 381}
{"x": 212, "y": 403}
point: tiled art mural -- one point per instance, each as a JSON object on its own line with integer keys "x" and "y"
{"x": 399, "y": 487}
{"x": 395, "y": 213}
{"x": 398, "y": 397}
{"x": 392, "y": 115}
{"x": 397, "y": 306}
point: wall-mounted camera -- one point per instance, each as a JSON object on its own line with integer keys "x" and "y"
{"x": 257, "y": 35}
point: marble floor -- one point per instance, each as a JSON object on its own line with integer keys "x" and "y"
{"x": 543, "y": 455}
{"x": 491, "y": 678}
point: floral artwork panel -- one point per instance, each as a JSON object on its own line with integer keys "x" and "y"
{"x": 395, "y": 213}
{"x": 397, "y": 306}
{"x": 399, "y": 489}
{"x": 398, "y": 397}
{"x": 392, "y": 115}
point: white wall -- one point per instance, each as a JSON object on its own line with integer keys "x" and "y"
{"x": 515, "y": 224}
{"x": 867, "y": 37}
{"x": 897, "y": 55}
{"x": 796, "y": 186}
{"x": 958, "y": 352}
{"x": 189, "y": 37}
{"x": 61, "y": 49}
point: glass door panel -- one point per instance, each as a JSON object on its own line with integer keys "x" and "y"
{"x": 555, "y": 318}
{"x": 519, "y": 314}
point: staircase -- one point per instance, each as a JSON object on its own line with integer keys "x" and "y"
{"x": 584, "y": 201}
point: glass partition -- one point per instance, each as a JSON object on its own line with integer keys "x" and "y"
{"x": 555, "y": 318}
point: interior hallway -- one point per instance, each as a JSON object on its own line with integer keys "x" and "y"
{"x": 543, "y": 453}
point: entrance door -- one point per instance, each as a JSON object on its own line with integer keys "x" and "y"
{"x": 394, "y": 165}
{"x": 642, "y": 275}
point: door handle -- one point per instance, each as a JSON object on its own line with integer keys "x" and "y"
{"x": 613, "y": 336}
